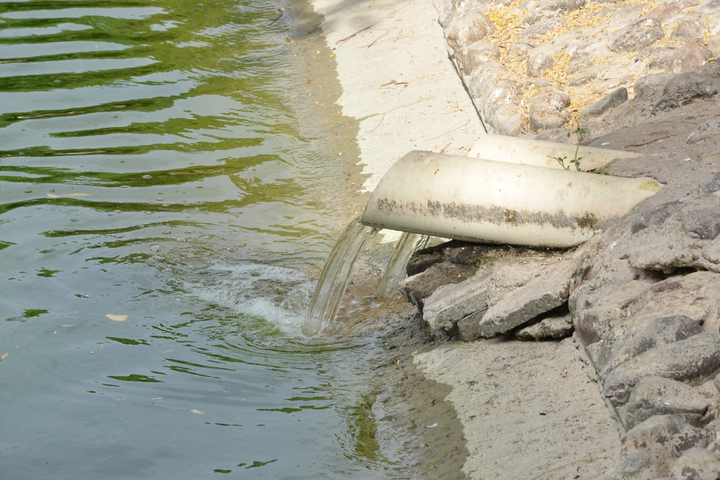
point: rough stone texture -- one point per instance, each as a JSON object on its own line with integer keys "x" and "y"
{"x": 471, "y": 57}
{"x": 707, "y": 132}
{"x": 597, "y": 311}
{"x": 695, "y": 464}
{"x": 639, "y": 334}
{"x": 550, "y": 326}
{"x": 539, "y": 64}
{"x": 685, "y": 88}
{"x": 665, "y": 437}
{"x": 703, "y": 223}
{"x": 691, "y": 30}
{"x": 655, "y": 216}
{"x": 684, "y": 59}
{"x": 651, "y": 298}
{"x": 649, "y": 84}
{"x": 692, "y": 360}
{"x": 468, "y": 29}
{"x": 662, "y": 396}
{"x": 548, "y": 109}
{"x": 640, "y": 34}
{"x": 508, "y": 120}
{"x": 552, "y": 8}
{"x": 610, "y": 101}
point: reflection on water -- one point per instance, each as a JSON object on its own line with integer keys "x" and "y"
{"x": 162, "y": 217}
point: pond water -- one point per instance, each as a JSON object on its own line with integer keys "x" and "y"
{"x": 165, "y": 209}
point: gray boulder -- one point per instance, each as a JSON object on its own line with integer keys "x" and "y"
{"x": 691, "y": 360}
{"x": 695, "y": 464}
{"x": 640, "y": 34}
{"x": 662, "y": 396}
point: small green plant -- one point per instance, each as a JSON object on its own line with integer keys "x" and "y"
{"x": 574, "y": 161}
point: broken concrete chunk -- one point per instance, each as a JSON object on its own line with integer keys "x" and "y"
{"x": 691, "y": 360}
{"x": 662, "y": 396}
{"x": 548, "y": 289}
{"x": 639, "y": 334}
{"x": 695, "y": 464}
{"x": 552, "y": 326}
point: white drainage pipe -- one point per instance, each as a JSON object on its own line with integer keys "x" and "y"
{"x": 488, "y": 201}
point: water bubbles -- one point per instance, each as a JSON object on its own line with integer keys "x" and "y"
{"x": 155, "y": 248}
{"x": 147, "y": 177}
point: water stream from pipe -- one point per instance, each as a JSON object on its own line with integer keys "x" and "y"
{"x": 335, "y": 277}
{"x": 396, "y": 271}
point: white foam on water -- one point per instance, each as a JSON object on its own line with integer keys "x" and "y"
{"x": 278, "y": 295}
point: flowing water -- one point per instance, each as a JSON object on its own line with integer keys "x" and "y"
{"x": 396, "y": 269}
{"x": 165, "y": 206}
{"x": 335, "y": 276}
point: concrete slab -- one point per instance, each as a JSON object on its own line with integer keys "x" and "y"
{"x": 397, "y": 81}
{"x": 528, "y": 410}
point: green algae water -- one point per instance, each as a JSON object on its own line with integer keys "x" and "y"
{"x": 165, "y": 208}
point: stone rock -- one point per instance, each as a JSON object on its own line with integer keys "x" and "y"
{"x": 661, "y": 396}
{"x": 655, "y": 216}
{"x": 587, "y": 75}
{"x": 713, "y": 44}
{"x": 695, "y": 464}
{"x": 557, "y": 135}
{"x": 685, "y": 59}
{"x": 505, "y": 93}
{"x": 691, "y": 360}
{"x": 579, "y": 60}
{"x": 686, "y": 87}
{"x": 548, "y": 288}
{"x": 711, "y": 433}
{"x": 549, "y": 326}
{"x": 470, "y": 57}
{"x": 548, "y": 109}
{"x": 650, "y": 84}
{"x": 417, "y": 288}
{"x": 703, "y": 223}
{"x": 713, "y": 186}
{"x": 468, "y": 29}
{"x": 638, "y": 465}
{"x": 708, "y": 7}
{"x": 639, "y": 334}
{"x": 518, "y": 52}
{"x": 708, "y": 131}
{"x": 664, "y": 12}
{"x": 539, "y": 63}
{"x": 508, "y": 120}
{"x": 534, "y": 33}
{"x": 665, "y": 437}
{"x": 487, "y": 78}
{"x": 691, "y": 30}
{"x": 639, "y": 35}
{"x": 552, "y": 8}
{"x": 608, "y": 102}
{"x": 512, "y": 290}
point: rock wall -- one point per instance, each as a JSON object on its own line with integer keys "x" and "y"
{"x": 549, "y": 66}
{"x": 642, "y": 297}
